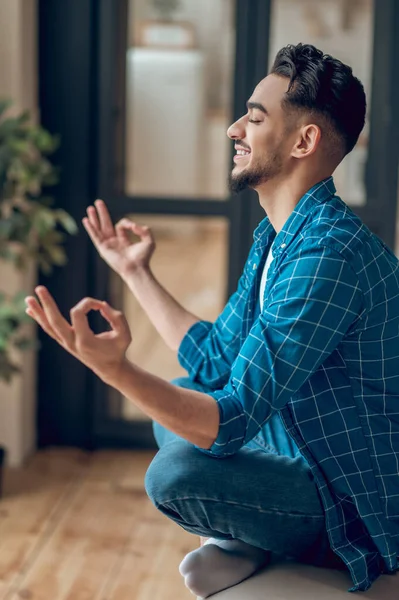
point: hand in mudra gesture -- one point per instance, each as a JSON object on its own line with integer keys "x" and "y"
{"x": 113, "y": 242}
{"x": 104, "y": 353}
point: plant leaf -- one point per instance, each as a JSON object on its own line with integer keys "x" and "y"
{"x": 67, "y": 221}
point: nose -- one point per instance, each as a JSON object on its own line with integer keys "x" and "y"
{"x": 236, "y": 131}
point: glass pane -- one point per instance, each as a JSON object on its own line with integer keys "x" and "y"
{"x": 179, "y": 73}
{"x": 344, "y": 30}
{"x": 191, "y": 262}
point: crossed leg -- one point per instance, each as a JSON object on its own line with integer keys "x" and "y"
{"x": 251, "y": 504}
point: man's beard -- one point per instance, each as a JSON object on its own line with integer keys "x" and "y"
{"x": 256, "y": 176}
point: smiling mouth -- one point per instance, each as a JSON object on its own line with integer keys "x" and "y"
{"x": 241, "y": 154}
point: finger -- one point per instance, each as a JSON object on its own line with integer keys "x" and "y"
{"x": 43, "y": 324}
{"x": 79, "y": 320}
{"x": 114, "y": 317}
{"x": 142, "y": 231}
{"x": 94, "y": 221}
{"x": 106, "y": 225}
{"x": 58, "y": 324}
{"x": 94, "y": 234}
{"x": 122, "y": 228}
{"x": 107, "y": 335}
{"x": 93, "y": 217}
{"x": 35, "y": 311}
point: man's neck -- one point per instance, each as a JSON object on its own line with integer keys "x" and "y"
{"x": 279, "y": 198}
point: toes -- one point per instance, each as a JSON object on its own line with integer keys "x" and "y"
{"x": 193, "y": 569}
{"x": 190, "y": 563}
{"x": 194, "y": 584}
{"x": 198, "y": 560}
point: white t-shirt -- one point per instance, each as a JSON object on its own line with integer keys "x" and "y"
{"x": 264, "y": 277}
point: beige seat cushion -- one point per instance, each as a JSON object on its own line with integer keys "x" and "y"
{"x": 292, "y": 581}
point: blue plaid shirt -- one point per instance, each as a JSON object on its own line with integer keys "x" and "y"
{"x": 324, "y": 353}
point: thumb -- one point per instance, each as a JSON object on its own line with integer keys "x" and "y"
{"x": 142, "y": 231}
{"x": 115, "y": 318}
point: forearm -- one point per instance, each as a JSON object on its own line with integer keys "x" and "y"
{"x": 192, "y": 415}
{"x": 171, "y": 320}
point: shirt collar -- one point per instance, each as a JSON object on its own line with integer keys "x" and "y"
{"x": 319, "y": 193}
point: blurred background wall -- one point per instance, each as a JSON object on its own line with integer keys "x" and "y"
{"x": 19, "y": 82}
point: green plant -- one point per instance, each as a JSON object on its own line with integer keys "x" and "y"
{"x": 30, "y": 228}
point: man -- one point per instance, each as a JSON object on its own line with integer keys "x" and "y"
{"x": 296, "y": 384}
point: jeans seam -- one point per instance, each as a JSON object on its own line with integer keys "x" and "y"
{"x": 241, "y": 505}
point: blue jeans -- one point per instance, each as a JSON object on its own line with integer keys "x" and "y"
{"x": 264, "y": 495}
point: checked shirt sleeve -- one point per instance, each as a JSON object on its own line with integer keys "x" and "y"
{"x": 209, "y": 350}
{"x": 312, "y": 304}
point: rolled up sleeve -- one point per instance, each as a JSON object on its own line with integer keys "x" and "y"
{"x": 312, "y": 304}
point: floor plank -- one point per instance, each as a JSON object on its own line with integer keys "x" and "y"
{"x": 151, "y": 562}
{"x": 106, "y": 540}
{"x": 35, "y": 497}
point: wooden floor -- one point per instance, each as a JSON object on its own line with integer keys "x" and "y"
{"x": 77, "y": 526}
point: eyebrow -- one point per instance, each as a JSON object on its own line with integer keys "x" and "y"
{"x": 258, "y": 106}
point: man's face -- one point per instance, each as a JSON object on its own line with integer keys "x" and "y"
{"x": 263, "y": 137}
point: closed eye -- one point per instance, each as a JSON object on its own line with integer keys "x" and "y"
{"x": 254, "y": 121}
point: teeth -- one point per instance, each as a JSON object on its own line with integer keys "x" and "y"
{"x": 243, "y": 152}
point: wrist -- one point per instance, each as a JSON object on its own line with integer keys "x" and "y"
{"x": 115, "y": 374}
{"x": 131, "y": 274}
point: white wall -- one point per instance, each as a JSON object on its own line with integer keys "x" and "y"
{"x": 18, "y": 81}
{"x": 344, "y": 30}
{"x": 214, "y": 23}
{"x": 324, "y": 24}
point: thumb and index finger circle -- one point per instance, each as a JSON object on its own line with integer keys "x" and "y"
{"x": 141, "y": 231}
{"x": 79, "y": 314}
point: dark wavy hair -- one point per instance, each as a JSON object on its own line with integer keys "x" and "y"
{"x": 324, "y": 85}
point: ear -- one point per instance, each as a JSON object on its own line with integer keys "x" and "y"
{"x": 307, "y": 141}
